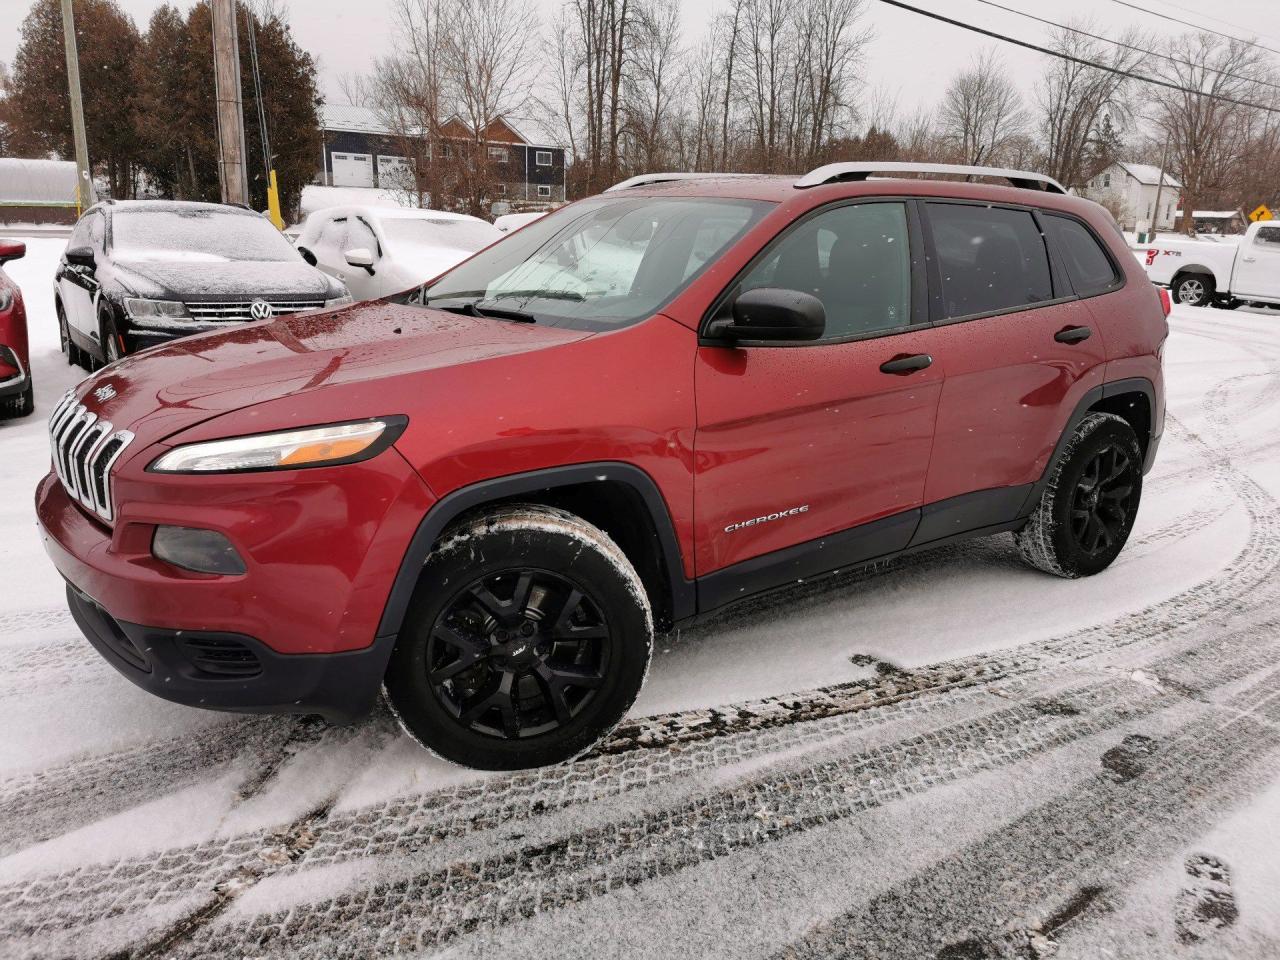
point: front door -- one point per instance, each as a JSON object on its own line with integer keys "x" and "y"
{"x": 77, "y": 286}
{"x": 1258, "y": 266}
{"x": 800, "y": 441}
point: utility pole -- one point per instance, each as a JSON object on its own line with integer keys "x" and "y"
{"x": 226, "y": 78}
{"x": 84, "y": 176}
{"x": 1155, "y": 219}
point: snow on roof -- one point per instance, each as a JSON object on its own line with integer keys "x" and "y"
{"x": 1145, "y": 173}
{"x": 348, "y": 116}
{"x": 383, "y": 212}
{"x": 1213, "y": 214}
{"x": 37, "y": 182}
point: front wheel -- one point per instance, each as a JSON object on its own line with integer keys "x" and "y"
{"x": 1086, "y": 512}
{"x": 1194, "y": 290}
{"x": 527, "y": 640}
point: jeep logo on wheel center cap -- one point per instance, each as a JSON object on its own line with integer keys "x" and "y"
{"x": 260, "y": 310}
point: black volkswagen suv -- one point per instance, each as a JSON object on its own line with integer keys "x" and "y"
{"x": 139, "y": 272}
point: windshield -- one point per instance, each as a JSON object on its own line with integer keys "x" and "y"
{"x": 600, "y": 263}
{"x": 211, "y": 236}
{"x": 468, "y": 235}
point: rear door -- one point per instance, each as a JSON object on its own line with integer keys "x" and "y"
{"x": 1258, "y": 266}
{"x": 1018, "y": 349}
{"x": 798, "y": 441}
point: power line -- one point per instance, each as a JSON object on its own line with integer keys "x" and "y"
{"x": 1080, "y": 60}
{"x": 1194, "y": 26}
{"x": 1121, "y": 43}
{"x": 1206, "y": 16}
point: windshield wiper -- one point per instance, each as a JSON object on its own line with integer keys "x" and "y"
{"x": 573, "y": 295}
{"x": 468, "y": 308}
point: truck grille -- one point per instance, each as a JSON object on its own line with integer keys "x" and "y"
{"x": 84, "y": 450}
{"x": 242, "y": 309}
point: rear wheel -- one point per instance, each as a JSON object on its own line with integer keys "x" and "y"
{"x": 69, "y": 348}
{"x": 1086, "y": 512}
{"x": 526, "y": 642}
{"x": 1194, "y": 290}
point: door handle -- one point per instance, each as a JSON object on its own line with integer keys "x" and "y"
{"x": 1250, "y": 259}
{"x": 907, "y": 363}
{"x": 1073, "y": 335}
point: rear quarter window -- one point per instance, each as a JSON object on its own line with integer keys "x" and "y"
{"x": 1089, "y": 268}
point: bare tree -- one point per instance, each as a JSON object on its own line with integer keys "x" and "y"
{"x": 830, "y": 52}
{"x": 1072, "y": 99}
{"x": 658, "y": 64}
{"x": 1209, "y": 136}
{"x": 981, "y": 111}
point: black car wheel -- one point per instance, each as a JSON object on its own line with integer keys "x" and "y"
{"x": 69, "y": 349}
{"x": 108, "y": 337}
{"x": 1087, "y": 511}
{"x": 526, "y": 643}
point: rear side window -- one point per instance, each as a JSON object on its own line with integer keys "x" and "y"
{"x": 991, "y": 259}
{"x": 1268, "y": 237}
{"x": 1087, "y": 264}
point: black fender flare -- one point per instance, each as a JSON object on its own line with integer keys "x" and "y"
{"x": 453, "y": 505}
{"x": 1101, "y": 392}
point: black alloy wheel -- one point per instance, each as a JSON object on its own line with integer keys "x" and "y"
{"x": 1104, "y": 500}
{"x": 527, "y": 639}
{"x": 518, "y": 653}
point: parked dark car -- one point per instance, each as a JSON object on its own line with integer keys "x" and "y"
{"x": 17, "y": 399}
{"x": 137, "y": 273}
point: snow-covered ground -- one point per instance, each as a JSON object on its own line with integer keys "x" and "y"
{"x": 951, "y": 756}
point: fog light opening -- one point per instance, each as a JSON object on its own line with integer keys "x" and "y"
{"x": 203, "y": 551}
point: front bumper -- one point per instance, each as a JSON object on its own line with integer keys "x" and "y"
{"x": 227, "y": 671}
{"x": 14, "y": 376}
{"x": 297, "y": 632}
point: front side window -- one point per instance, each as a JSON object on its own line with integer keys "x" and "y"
{"x": 80, "y": 236}
{"x": 1088, "y": 265}
{"x": 991, "y": 259}
{"x": 598, "y": 264}
{"x": 197, "y": 234}
{"x": 856, "y": 259}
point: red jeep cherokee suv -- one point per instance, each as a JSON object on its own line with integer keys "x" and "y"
{"x": 483, "y": 496}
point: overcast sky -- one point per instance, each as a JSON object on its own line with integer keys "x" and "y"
{"x": 912, "y": 57}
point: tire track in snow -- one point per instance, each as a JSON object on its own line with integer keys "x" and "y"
{"x": 1084, "y": 840}
{"x": 500, "y": 889}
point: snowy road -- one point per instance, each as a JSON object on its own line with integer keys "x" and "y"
{"x": 950, "y": 756}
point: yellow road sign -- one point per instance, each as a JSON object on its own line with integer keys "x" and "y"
{"x": 1262, "y": 213}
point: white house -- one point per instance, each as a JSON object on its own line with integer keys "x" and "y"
{"x": 1129, "y": 191}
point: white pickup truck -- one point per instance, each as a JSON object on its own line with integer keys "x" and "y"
{"x": 1221, "y": 273}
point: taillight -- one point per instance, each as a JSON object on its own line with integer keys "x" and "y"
{"x": 1166, "y": 302}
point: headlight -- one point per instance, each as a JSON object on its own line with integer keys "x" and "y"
{"x": 341, "y": 301}
{"x": 329, "y": 445}
{"x": 144, "y": 310}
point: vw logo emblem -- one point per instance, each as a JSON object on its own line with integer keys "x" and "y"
{"x": 260, "y": 310}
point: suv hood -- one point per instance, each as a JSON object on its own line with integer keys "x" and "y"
{"x": 161, "y": 391}
{"x": 205, "y": 280}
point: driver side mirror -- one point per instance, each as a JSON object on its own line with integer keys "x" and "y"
{"x": 772, "y": 313}
{"x": 81, "y": 256}
{"x": 360, "y": 257}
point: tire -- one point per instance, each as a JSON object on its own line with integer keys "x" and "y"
{"x": 511, "y": 607}
{"x": 75, "y": 356}
{"x": 1086, "y": 513}
{"x": 111, "y": 351}
{"x": 1194, "y": 290}
{"x": 20, "y": 406}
